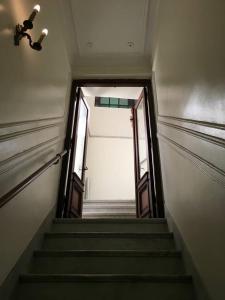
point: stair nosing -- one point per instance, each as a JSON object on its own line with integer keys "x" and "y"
{"x": 109, "y": 204}
{"x": 28, "y": 278}
{"x": 107, "y": 253}
{"x": 119, "y": 213}
{"x": 156, "y": 235}
{"x": 133, "y": 220}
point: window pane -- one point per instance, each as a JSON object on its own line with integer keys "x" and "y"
{"x": 123, "y": 102}
{"x": 104, "y": 101}
{"x": 142, "y": 140}
{"x": 114, "y": 101}
{"x": 81, "y": 133}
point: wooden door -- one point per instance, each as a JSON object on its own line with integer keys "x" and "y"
{"x": 79, "y": 145}
{"x": 144, "y": 177}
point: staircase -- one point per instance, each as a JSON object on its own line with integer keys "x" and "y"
{"x": 109, "y": 209}
{"x": 106, "y": 259}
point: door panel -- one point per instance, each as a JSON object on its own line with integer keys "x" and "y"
{"x": 81, "y": 138}
{"x": 76, "y": 197}
{"x": 142, "y": 139}
{"x": 142, "y": 156}
{"x": 79, "y": 145}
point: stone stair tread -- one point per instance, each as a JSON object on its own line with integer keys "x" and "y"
{"x": 110, "y": 200}
{"x": 108, "y": 258}
{"x": 104, "y": 278}
{"x": 105, "y": 214}
{"x": 167, "y": 235}
{"x": 134, "y": 220}
{"x": 98, "y": 204}
{"x": 99, "y": 253}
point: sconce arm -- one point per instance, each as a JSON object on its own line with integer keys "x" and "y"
{"x": 20, "y": 33}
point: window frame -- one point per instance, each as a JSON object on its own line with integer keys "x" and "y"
{"x": 130, "y": 102}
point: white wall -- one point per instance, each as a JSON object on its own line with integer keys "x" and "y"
{"x": 189, "y": 75}
{"x": 34, "y": 89}
{"x": 110, "y": 169}
{"x": 110, "y": 157}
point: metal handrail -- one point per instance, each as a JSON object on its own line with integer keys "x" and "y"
{"x": 27, "y": 181}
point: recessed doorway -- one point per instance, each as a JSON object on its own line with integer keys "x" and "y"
{"x": 113, "y": 161}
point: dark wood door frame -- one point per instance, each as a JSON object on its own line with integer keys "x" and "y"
{"x": 75, "y": 185}
{"x": 151, "y": 129}
{"x": 145, "y": 183}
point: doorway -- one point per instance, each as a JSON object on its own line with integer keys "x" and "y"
{"x": 74, "y": 188}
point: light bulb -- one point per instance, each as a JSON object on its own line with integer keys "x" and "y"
{"x": 45, "y": 31}
{"x": 35, "y": 11}
{"x": 37, "y": 7}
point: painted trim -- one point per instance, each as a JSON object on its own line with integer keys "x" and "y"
{"x": 193, "y": 121}
{"x": 24, "y": 122}
{"x": 16, "y": 134}
{"x": 18, "y": 156}
{"x": 209, "y": 138}
{"x": 206, "y": 167}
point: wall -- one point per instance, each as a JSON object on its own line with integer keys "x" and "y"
{"x": 189, "y": 79}
{"x": 34, "y": 94}
{"x": 110, "y": 157}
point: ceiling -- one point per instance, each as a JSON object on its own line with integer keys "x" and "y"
{"x": 110, "y": 27}
{"x": 117, "y": 92}
{"x": 109, "y": 35}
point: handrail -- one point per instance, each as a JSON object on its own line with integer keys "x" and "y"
{"x": 22, "y": 185}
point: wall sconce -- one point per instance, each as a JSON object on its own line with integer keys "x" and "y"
{"x": 20, "y": 31}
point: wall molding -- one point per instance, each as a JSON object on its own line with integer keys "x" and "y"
{"x": 13, "y": 130}
{"x": 213, "y": 172}
{"x": 16, "y": 134}
{"x": 9, "y": 163}
{"x": 217, "y": 129}
{"x": 24, "y": 122}
{"x": 193, "y": 121}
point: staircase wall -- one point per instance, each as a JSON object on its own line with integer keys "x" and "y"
{"x": 188, "y": 63}
{"x": 35, "y": 90}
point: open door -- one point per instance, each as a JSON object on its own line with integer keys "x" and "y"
{"x": 79, "y": 145}
{"x": 144, "y": 181}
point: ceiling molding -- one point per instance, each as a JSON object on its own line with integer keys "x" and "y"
{"x": 115, "y": 63}
{"x": 69, "y": 30}
{"x": 150, "y": 38}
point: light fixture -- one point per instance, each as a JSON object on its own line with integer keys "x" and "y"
{"x": 20, "y": 31}
{"x": 130, "y": 44}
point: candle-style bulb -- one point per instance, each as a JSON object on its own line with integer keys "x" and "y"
{"x": 36, "y": 10}
{"x": 45, "y": 31}
{"x": 43, "y": 35}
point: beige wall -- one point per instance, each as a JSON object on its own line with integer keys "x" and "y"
{"x": 34, "y": 88}
{"x": 189, "y": 66}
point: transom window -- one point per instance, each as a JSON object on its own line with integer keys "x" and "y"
{"x": 114, "y": 102}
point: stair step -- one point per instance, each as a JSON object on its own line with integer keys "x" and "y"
{"x": 115, "y": 215}
{"x": 108, "y": 241}
{"x": 110, "y": 209}
{"x": 116, "y": 202}
{"x": 109, "y": 205}
{"x": 99, "y": 225}
{"x": 110, "y": 287}
{"x": 131, "y": 221}
{"x": 107, "y": 262}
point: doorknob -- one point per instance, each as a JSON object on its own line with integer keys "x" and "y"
{"x": 84, "y": 169}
